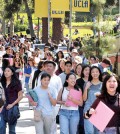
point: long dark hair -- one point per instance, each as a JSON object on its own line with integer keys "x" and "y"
{"x": 57, "y": 57}
{"x": 14, "y": 78}
{"x": 104, "y": 88}
{"x": 83, "y": 68}
{"x": 90, "y": 76}
{"x": 66, "y": 83}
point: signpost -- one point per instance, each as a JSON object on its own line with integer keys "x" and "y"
{"x": 57, "y": 8}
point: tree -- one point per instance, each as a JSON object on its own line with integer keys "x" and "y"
{"x": 2, "y": 7}
{"x": 29, "y": 14}
{"x": 11, "y": 7}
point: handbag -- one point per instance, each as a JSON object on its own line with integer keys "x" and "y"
{"x": 37, "y": 115}
{"x": 57, "y": 117}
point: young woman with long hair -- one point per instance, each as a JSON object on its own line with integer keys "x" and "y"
{"x": 110, "y": 97}
{"x": 69, "y": 115}
{"x": 13, "y": 94}
{"x": 92, "y": 88}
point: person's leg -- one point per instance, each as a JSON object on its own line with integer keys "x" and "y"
{"x": 74, "y": 121}
{"x": 27, "y": 90}
{"x": 96, "y": 131}
{"x": 2, "y": 125}
{"x": 111, "y": 130}
{"x": 81, "y": 122}
{"x": 88, "y": 127}
{"x": 39, "y": 127}
{"x": 64, "y": 121}
{"x": 12, "y": 128}
{"x": 47, "y": 123}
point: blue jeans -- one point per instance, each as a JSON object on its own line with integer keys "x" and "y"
{"x": 69, "y": 120}
{"x": 27, "y": 87}
{"x": 3, "y": 126}
{"x": 27, "y": 90}
{"x": 89, "y": 128}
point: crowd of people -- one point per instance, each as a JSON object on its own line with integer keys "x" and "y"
{"x": 52, "y": 75}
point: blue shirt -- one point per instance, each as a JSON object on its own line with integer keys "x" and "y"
{"x": 27, "y": 70}
{"x": 44, "y": 103}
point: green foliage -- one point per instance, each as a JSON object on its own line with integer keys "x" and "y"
{"x": 106, "y": 43}
{"x": 89, "y": 46}
{"x": 104, "y": 26}
{"x": 11, "y": 7}
{"x": 20, "y": 27}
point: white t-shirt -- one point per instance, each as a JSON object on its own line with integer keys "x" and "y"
{"x": 64, "y": 98}
{"x": 55, "y": 82}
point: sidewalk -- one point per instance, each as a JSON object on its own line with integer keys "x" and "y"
{"x": 25, "y": 124}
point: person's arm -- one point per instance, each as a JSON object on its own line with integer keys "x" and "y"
{"x": 20, "y": 96}
{"x": 91, "y": 111}
{"x": 52, "y": 100}
{"x": 27, "y": 75}
{"x": 85, "y": 93}
{"x": 59, "y": 97}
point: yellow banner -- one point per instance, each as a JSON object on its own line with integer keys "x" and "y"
{"x": 57, "y": 14}
{"x": 41, "y": 8}
{"x": 81, "y": 5}
{"x": 60, "y": 5}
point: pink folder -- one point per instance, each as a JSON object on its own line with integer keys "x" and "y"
{"x": 76, "y": 95}
{"x": 102, "y": 116}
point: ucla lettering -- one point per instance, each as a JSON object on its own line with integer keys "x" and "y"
{"x": 57, "y": 12}
{"x": 81, "y": 3}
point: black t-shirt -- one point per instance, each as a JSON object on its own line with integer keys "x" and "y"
{"x": 80, "y": 82}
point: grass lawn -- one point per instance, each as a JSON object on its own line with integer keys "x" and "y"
{"x": 81, "y": 32}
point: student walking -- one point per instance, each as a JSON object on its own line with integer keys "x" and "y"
{"x": 13, "y": 94}
{"x": 110, "y": 97}
{"x": 45, "y": 105}
{"x": 69, "y": 115}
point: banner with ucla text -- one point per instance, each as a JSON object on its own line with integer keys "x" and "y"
{"x": 41, "y": 8}
{"x": 81, "y": 5}
{"x": 57, "y": 14}
{"x": 60, "y": 5}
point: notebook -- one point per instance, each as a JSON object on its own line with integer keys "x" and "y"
{"x": 101, "y": 117}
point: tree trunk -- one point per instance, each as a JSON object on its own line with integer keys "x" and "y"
{"x": 3, "y": 24}
{"x": 57, "y": 29}
{"x": 29, "y": 14}
{"x": 44, "y": 30}
{"x": 12, "y": 26}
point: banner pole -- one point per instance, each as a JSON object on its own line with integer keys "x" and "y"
{"x": 48, "y": 19}
{"x": 70, "y": 25}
